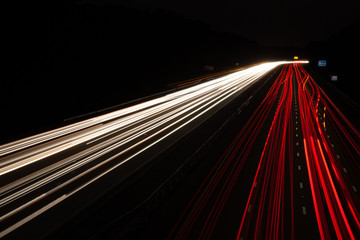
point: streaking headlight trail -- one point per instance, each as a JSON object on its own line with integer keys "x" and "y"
{"x": 34, "y": 168}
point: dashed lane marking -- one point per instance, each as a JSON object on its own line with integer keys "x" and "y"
{"x": 304, "y": 210}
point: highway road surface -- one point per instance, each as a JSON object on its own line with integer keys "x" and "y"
{"x": 41, "y": 171}
{"x": 289, "y": 171}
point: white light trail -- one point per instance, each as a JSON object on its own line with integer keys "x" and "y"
{"x": 135, "y": 128}
{"x": 126, "y": 117}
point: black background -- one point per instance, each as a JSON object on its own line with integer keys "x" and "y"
{"x": 65, "y": 59}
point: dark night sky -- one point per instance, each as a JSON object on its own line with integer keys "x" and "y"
{"x": 274, "y": 23}
{"x": 60, "y": 46}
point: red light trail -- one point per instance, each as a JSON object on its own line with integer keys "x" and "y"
{"x": 269, "y": 211}
{"x": 324, "y": 168}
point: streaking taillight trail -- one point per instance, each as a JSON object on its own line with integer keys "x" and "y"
{"x": 270, "y": 201}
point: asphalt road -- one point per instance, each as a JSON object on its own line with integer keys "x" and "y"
{"x": 41, "y": 172}
{"x": 263, "y": 165}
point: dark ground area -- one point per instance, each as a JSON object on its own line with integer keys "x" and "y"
{"x": 341, "y": 52}
{"x": 68, "y": 59}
